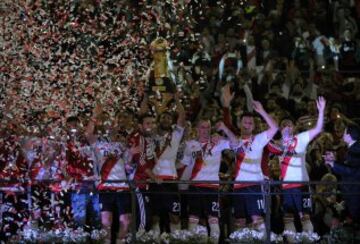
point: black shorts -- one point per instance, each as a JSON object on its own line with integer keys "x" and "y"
{"x": 110, "y": 201}
{"x": 205, "y": 203}
{"x": 248, "y": 202}
{"x": 164, "y": 197}
{"x": 296, "y": 200}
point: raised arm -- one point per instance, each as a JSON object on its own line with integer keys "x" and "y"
{"x": 320, "y": 103}
{"x": 273, "y": 126}
{"x": 222, "y": 127}
{"x": 89, "y": 131}
{"x": 180, "y": 112}
{"x": 249, "y": 97}
{"x": 226, "y": 98}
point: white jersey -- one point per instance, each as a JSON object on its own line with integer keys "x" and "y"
{"x": 80, "y": 163}
{"x": 37, "y": 157}
{"x": 165, "y": 164}
{"x": 111, "y": 158}
{"x": 203, "y": 162}
{"x": 248, "y": 159}
{"x": 293, "y": 163}
{"x": 88, "y": 153}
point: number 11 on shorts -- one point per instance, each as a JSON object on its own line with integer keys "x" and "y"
{"x": 260, "y": 203}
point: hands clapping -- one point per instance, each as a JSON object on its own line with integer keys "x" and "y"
{"x": 329, "y": 158}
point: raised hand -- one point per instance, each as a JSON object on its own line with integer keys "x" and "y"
{"x": 321, "y": 103}
{"x": 220, "y": 126}
{"x": 226, "y": 96}
{"x": 257, "y": 106}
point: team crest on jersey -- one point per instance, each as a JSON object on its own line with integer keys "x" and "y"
{"x": 197, "y": 154}
{"x": 245, "y": 146}
{"x": 240, "y": 150}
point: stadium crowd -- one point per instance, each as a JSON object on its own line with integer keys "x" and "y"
{"x": 157, "y": 91}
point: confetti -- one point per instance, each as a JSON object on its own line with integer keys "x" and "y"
{"x": 60, "y": 59}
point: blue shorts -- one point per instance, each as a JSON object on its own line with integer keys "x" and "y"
{"x": 246, "y": 205}
{"x": 296, "y": 200}
{"x": 85, "y": 205}
{"x": 204, "y": 204}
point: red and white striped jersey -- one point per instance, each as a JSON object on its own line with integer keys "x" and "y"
{"x": 145, "y": 159}
{"x": 293, "y": 163}
{"x": 111, "y": 158}
{"x": 80, "y": 160}
{"x": 166, "y": 152}
{"x": 203, "y": 161}
{"x": 42, "y": 158}
{"x": 248, "y": 159}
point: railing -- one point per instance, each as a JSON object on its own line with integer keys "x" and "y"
{"x": 266, "y": 187}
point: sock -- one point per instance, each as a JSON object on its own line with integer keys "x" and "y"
{"x": 108, "y": 235}
{"x": 193, "y": 223}
{"x": 156, "y": 228}
{"x": 290, "y": 226}
{"x": 120, "y": 241}
{"x": 175, "y": 227}
{"x": 214, "y": 228}
{"x": 306, "y": 224}
{"x": 239, "y": 224}
{"x": 259, "y": 225}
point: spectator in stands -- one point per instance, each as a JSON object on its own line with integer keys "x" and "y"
{"x": 349, "y": 170}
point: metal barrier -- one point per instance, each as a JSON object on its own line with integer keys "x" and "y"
{"x": 266, "y": 192}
